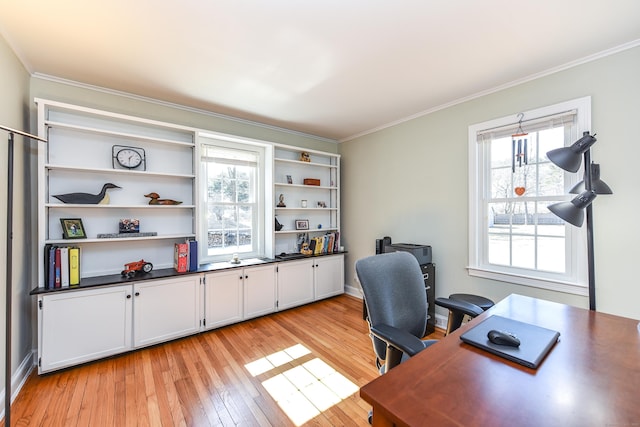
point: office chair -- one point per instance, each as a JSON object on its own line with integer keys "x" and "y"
{"x": 460, "y": 305}
{"x": 396, "y": 300}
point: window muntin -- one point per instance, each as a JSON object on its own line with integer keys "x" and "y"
{"x": 513, "y": 236}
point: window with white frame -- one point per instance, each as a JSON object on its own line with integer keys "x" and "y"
{"x": 232, "y": 190}
{"x": 513, "y": 236}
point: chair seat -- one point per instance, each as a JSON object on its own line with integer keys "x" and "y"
{"x": 482, "y": 302}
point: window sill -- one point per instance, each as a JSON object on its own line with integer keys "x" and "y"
{"x": 551, "y": 285}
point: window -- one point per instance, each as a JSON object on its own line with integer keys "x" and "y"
{"x": 232, "y": 189}
{"x": 513, "y": 236}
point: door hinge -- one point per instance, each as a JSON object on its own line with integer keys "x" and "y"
{"x": 40, "y": 362}
{"x": 204, "y": 322}
{"x": 40, "y": 304}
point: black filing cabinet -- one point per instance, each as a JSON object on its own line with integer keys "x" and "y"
{"x": 429, "y": 274}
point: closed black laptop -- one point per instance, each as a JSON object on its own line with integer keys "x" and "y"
{"x": 535, "y": 341}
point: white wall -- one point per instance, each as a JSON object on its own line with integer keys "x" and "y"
{"x": 14, "y": 87}
{"x": 410, "y": 182}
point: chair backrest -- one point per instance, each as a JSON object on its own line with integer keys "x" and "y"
{"x": 394, "y": 293}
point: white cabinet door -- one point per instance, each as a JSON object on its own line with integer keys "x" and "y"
{"x": 295, "y": 283}
{"x": 166, "y": 309}
{"x": 223, "y": 298}
{"x": 259, "y": 291}
{"x": 79, "y": 326}
{"x": 329, "y": 276}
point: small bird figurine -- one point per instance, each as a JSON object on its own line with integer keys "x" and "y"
{"x": 156, "y": 200}
{"x": 102, "y": 198}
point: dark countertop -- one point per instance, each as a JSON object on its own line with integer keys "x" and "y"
{"x": 117, "y": 279}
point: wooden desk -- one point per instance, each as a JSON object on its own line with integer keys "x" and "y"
{"x": 590, "y": 378}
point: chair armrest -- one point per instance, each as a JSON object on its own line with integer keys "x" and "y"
{"x": 400, "y": 339}
{"x": 459, "y": 306}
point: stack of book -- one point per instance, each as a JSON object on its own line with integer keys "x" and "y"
{"x": 62, "y": 266}
{"x": 326, "y": 244}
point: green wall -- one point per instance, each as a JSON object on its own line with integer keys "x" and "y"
{"x": 410, "y": 182}
{"x": 14, "y": 87}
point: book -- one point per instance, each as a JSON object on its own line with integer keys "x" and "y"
{"x": 193, "y": 255}
{"x": 48, "y": 269}
{"x": 180, "y": 257}
{"x": 57, "y": 269}
{"x": 74, "y": 266}
{"x": 64, "y": 267}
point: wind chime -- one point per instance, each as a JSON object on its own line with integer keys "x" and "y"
{"x": 519, "y": 156}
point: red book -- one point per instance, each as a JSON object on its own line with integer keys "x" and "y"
{"x": 181, "y": 257}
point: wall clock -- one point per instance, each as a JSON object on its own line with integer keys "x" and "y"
{"x": 125, "y": 157}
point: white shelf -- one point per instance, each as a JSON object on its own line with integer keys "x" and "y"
{"x": 86, "y": 206}
{"x": 324, "y": 167}
{"x": 79, "y": 159}
{"x": 306, "y": 187}
{"x": 118, "y": 239}
{"x": 116, "y": 171}
{"x": 299, "y": 162}
{"x": 313, "y": 230}
{"x": 306, "y": 209}
{"x": 126, "y": 135}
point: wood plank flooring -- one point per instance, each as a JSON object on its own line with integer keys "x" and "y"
{"x": 322, "y": 349}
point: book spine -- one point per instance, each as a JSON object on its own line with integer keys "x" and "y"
{"x": 57, "y": 269}
{"x": 181, "y": 253}
{"x": 74, "y": 266}
{"x": 64, "y": 267}
{"x": 193, "y": 255}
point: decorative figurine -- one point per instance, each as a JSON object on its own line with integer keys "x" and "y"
{"x": 305, "y": 157}
{"x": 278, "y": 225}
{"x": 132, "y": 268}
{"x": 102, "y": 198}
{"x": 156, "y": 200}
{"x": 305, "y": 249}
{"x": 281, "y": 202}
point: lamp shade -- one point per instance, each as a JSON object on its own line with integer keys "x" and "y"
{"x": 573, "y": 211}
{"x": 569, "y": 158}
{"x": 597, "y": 185}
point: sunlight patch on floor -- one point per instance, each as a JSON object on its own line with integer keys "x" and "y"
{"x": 305, "y": 390}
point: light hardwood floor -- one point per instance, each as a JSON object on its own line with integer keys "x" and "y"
{"x": 246, "y": 374}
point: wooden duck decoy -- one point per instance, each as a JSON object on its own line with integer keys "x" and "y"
{"x": 102, "y": 198}
{"x": 156, "y": 200}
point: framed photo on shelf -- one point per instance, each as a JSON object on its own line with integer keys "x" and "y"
{"x": 72, "y": 228}
{"x": 289, "y": 179}
{"x": 302, "y": 224}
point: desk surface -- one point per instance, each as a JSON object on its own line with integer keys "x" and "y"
{"x": 590, "y": 378}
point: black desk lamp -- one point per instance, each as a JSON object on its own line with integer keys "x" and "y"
{"x": 569, "y": 159}
{"x": 9, "y": 268}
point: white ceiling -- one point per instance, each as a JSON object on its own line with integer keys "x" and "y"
{"x": 331, "y": 68}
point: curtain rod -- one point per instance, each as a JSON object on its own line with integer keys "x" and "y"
{"x": 532, "y": 120}
{"x": 19, "y": 132}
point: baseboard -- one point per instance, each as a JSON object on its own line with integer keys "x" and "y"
{"x": 20, "y": 377}
{"x": 353, "y": 291}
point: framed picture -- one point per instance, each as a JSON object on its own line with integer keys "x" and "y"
{"x": 302, "y": 224}
{"x": 129, "y": 225}
{"x": 289, "y": 179}
{"x": 72, "y": 228}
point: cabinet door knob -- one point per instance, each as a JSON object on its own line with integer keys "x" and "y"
{"x": 246, "y": 277}
{"x": 137, "y": 294}
{"x": 128, "y": 296}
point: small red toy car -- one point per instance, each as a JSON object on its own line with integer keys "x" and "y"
{"x": 132, "y": 268}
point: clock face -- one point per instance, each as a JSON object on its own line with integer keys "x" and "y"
{"x": 129, "y": 158}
